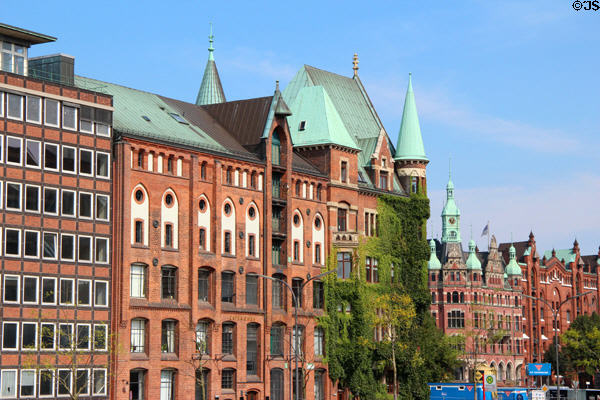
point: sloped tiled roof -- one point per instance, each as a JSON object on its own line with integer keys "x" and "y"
{"x": 520, "y": 248}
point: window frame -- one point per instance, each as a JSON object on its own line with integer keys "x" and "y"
{"x": 46, "y": 113}
{"x": 60, "y": 296}
{"x": 2, "y": 378}
{"x": 75, "y": 159}
{"x": 171, "y": 274}
{"x": 55, "y": 292}
{"x": 59, "y": 382}
{"x": 39, "y": 153}
{"x": 8, "y": 104}
{"x": 99, "y": 154}
{"x": 80, "y": 202}
{"x": 17, "y": 335}
{"x": 36, "y": 290}
{"x": 89, "y": 337}
{"x": 20, "y": 141}
{"x": 97, "y": 241}
{"x": 74, "y": 247}
{"x": 91, "y": 152}
{"x": 35, "y": 336}
{"x": 17, "y": 185}
{"x": 49, "y": 189}
{"x": 37, "y": 247}
{"x": 58, "y": 159}
{"x": 143, "y": 280}
{"x": 143, "y": 331}
{"x": 95, "y": 329}
{"x": 107, "y": 198}
{"x": 22, "y": 396}
{"x": 39, "y": 113}
{"x": 19, "y": 246}
{"x": 93, "y": 382}
{"x": 39, "y": 198}
{"x": 75, "y": 117}
{"x": 98, "y": 283}
{"x": 91, "y": 251}
{"x": 89, "y": 293}
{"x": 41, "y": 346}
{"x": 63, "y": 202}
{"x": 52, "y": 375}
{"x": 55, "y": 236}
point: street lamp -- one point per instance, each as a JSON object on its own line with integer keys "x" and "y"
{"x": 554, "y": 314}
{"x": 296, "y": 336}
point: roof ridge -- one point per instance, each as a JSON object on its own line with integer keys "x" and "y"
{"x": 329, "y": 72}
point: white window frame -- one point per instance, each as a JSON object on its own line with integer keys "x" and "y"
{"x": 56, "y": 190}
{"x": 86, "y": 391}
{"x": 1, "y": 104}
{"x": 2, "y": 372}
{"x": 91, "y": 195}
{"x": 57, "y": 113}
{"x": 2, "y": 147}
{"x": 74, "y": 247}
{"x": 37, "y": 255}
{"x": 58, "y": 159}
{"x": 143, "y": 280}
{"x": 75, "y": 120}
{"x": 105, "y": 327}
{"x": 58, "y": 384}
{"x": 56, "y": 247}
{"x": 90, "y": 337}
{"x": 108, "y": 167}
{"x": 102, "y": 134}
{"x": 93, "y": 380}
{"x": 34, "y": 383}
{"x": 52, "y": 380}
{"x": 91, "y": 259}
{"x": 20, "y": 185}
{"x": 37, "y": 290}
{"x": 56, "y": 289}
{"x": 53, "y": 348}
{"x": 35, "y": 340}
{"x": 39, "y": 199}
{"x": 27, "y": 141}
{"x": 89, "y": 293}
{"x": 20, "y": 118}
{"x": 18, "y": 337}
{"x": 75, "y": 165}
{"x": 1, "y": 195}
{"x": 20, "y": 242}
{"x": 39, "y": 116}
{"x": 72, "y": 303}
{"x": 96, "y": 284}
{"x": 92, "y": 162}
{"x": 105, "y": 240}
{"x": 58, "y": 336}
{"x": 18, "y": 280}
{"x": 107, "y": 207}
{"x": 74, "y": 203}
{"x": 21, "y": 152}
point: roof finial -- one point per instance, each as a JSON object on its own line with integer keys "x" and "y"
{"x": 355, "y": 64}
{"x": 211, "y": 39}
{"x": 276, "y": 85}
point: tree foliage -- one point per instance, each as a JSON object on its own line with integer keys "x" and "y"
{"x": 581, "y": 344}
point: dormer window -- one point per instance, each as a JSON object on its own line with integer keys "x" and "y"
{"x": 302, "y": 126}
{"x": 275, "y": 149}
{"x": 13, "y": 58}
{"x": 383, "y": 180}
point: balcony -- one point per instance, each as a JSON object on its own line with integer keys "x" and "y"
{"x": 343, "y": 238}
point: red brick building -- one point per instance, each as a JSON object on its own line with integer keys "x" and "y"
{"x": 56, "y": 195}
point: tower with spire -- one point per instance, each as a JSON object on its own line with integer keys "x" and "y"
{"x": 450, "y": 216}
{"x": 211, "y": 90}
{"x": 410, "y": 159}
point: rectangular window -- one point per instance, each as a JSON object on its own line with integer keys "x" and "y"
{"x": 138, "y": 335}
{"x": 30, "y": 289}
{"x": 86, "y": 115}
{"x": 227, "y": 244}
{"x": 83, "y": 337}
{"x": 344, "y": 172}
{"x": 14, "y": 147}
{"x": 296, "y": 251}
{"x": 29, "y": 336}
{"x": 344, "y": 265}
{"x": 168, "y": 336}
{"x": 252, "y": 350}
{"x": 203, "y": 284}
{"x": 46, "y": 382}
{"x": 68, "y": 203}
{"x": 51, "y": 112}
{"x": 227, "y": 287}
{"x": 67, "y": 295}
{"x": 84, "y": 292}
{"x": 10, "y": 334}
{"x": 67, "y": 247}
{"x": 169, "y": 282}
{"x": 318, "y": 295}
{"x": 318, "y": 253}
{"x": 139, "y": 232}
{"x": 49, "y": 245}
{"x": 383, "y": 180}
{"x": 13, "y": 196}
{"x": 101, "y": 250}
{"x": 32, "y": 153}
{"x": 85, "y": 248}
{"x": 34, "y": 109}
{"x": 69, "y": 120}
{"x": 82, "y": 380}
{"x": 102, "y": 129}
{"x": 102, "y": 165}
{"x": 100, "y": 337}
{"x": 168, "y": 235}
{"x": 251, "y": 245}
{"x": 14, "y": 107}
{"x": 297, "y": 289}
{"x": 65, "y": 336}
{"x": 69, "y": 159}
{"x": 32, "y": 244}
{"x": 9, "y": 384}
{"x": 341, "y": 220}
{"x": 167, "y": 385}
{"x": 86, "y": 161}
{"x": 85, "y": 205}
{"x": 32, "y": 198}
{"x": 48, "y": 290}
{"x": 138, "y": 280}
{"x": 227, "y": 339}
{"x": 252, "y": 290}
{"x": 50, "y": 201}
{"x": 51, "y": 156}
{"x": 12, "y": 238}
{"x": 102, "y": 207}
{"x": 101, "y": 293}
{"x": 99, "y": 382}
{"x": 27, "y": 385}
{"x": 11, "y": 289}
{"x": 47, "y": 336}
{"x": 65, "y": 381}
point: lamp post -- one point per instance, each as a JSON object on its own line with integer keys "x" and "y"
{"x": 295, "y": 329}
{"x": 555, "y": 312}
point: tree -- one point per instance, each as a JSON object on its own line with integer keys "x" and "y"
{"x": 581, "y": 344}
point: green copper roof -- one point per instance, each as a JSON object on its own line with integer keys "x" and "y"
{"x": 131, "y": 106}
{"x": 410, "y": 142}
{"x": 433, "y": 263}
{"x": 473, "y": 262}
{"x": 512, "y": 268}
{"x": 315, "y": 120}
{"x": 450, "y": 207}
{"x": 211, "y": 90}
{"x": 564, "y": 254}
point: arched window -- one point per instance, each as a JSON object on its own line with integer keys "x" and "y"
{"x": 278, "y": 292}
{"x": 203, "y": 336}
{"x": 319, "y": 190}
{"x": 202, "y": 383}
{"x": 455, "y": 297}
{"x": 169, "y": 336}
{"x": 448, "y": 298}
{"x": 277, "y": 335}
{"x": 433, "y": 297}
{"x": 203, "y": 171}
{"x": 167, "y": 384}
{"x": 275, "y": 149}
{"x": 298, "y": 188}
{"x": 462, "y": 297}
{"x": 138, "y": 335}
{"x": 277, "y": 384}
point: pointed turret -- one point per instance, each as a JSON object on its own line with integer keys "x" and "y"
{"x": 211, "y": 90}
{"x": 450, "y": 216}
{"x": 512, "y": 268}
{"x": 473, "y": 262}
{"x": 410, "y": 142}
{"x": 434, "y": 262}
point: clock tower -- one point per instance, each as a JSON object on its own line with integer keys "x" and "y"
{"x": 450, "y": 217}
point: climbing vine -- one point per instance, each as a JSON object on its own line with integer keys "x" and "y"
{"x": 353, "y": 307}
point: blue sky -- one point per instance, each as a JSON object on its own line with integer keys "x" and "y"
{"x": 507, "y": 89}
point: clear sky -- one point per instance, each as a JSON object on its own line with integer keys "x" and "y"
{"x": 507, "y": 89}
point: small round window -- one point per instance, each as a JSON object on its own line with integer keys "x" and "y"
{"x": 202, "y": 204}
{"x": 317, "y": 223}
{"x": 251, "y": 212}
{"x": 227, "y": 208}
{"x": 139, "y": 195}
{"x": 169, "y": 199}
{"x": 296, "y": 219}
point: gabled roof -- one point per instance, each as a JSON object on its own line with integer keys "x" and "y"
{"x": 520, "y": 249}
{"x": 563, "y": 254}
